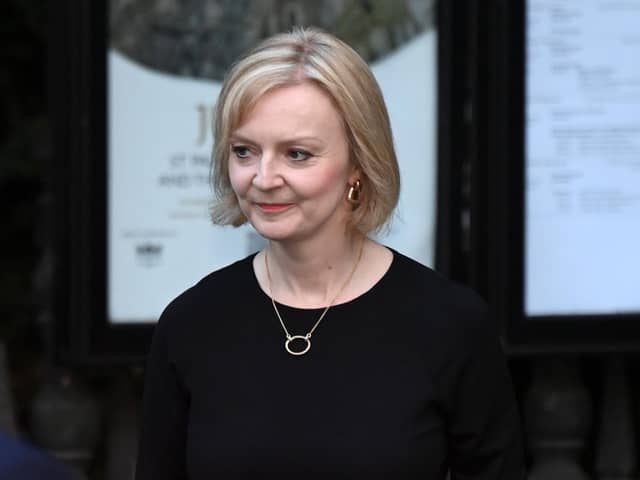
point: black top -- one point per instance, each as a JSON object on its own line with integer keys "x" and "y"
{"x": 406, "y": 381}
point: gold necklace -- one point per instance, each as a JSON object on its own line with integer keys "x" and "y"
{"x": 307, "y": 337}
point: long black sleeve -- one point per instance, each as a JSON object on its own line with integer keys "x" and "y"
{"x": 162, "y": 447}
{"x": 484, "y": 432}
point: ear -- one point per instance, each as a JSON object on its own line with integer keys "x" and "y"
{"x": 354, "y": 174}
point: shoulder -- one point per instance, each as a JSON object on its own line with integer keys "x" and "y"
{"x": 438, "y": 302}
{"x": 430, "y": 287}
{"x": 449, "y": 322}
{"x": 217, "y": 289}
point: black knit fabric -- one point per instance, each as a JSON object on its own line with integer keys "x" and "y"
{"x": 406, "y": 381}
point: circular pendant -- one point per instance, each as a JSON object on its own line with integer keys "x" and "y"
{"x": 305, "y": 338}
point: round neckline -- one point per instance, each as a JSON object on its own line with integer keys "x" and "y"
{"x": 354, "y": 300}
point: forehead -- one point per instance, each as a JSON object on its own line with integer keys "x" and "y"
{"x": 299, "y": 106}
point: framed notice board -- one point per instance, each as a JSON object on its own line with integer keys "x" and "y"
{"x": 558, "y": 182}
{"x": 133, "y": 88}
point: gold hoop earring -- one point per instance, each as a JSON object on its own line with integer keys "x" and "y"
{"x": 353, "y": 194}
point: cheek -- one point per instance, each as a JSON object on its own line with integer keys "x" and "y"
{"x": 330, "y": 180}
{"x": 239, "y": 179}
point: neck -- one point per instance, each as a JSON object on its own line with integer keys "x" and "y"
{"x": 310, "y": 275}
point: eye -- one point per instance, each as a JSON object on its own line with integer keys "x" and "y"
{"x": 241, "y": 151}
{"x": 298, "y": 155}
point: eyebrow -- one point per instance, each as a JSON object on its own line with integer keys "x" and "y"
{"x": 302, "y": 138}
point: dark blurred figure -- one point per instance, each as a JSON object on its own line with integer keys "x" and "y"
{"x": 21, "y": 461}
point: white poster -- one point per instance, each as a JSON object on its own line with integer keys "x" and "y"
{"x": 582, "y": 236}
{"x": 160, "y": 239}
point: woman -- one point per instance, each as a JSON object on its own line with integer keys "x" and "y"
{"x": 326, "y": 354}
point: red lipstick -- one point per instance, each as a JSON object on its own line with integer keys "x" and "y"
{"x": 273, "y": 207}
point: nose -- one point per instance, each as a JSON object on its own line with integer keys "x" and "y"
{"x": 267, "y": 175}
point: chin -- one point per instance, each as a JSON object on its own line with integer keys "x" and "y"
{"x": 274, "y": 232}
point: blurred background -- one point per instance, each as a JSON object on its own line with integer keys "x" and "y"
{"x": 517, "y": 126}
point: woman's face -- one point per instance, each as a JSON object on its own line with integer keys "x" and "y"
{"x": 289, "y": 165}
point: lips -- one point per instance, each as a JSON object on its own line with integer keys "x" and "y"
{"x": 273, "y": 207}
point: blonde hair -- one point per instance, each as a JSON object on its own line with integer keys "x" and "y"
{"x": 310, "y": 55}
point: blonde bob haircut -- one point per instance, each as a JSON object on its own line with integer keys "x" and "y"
{"x": 310, "y": 55}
